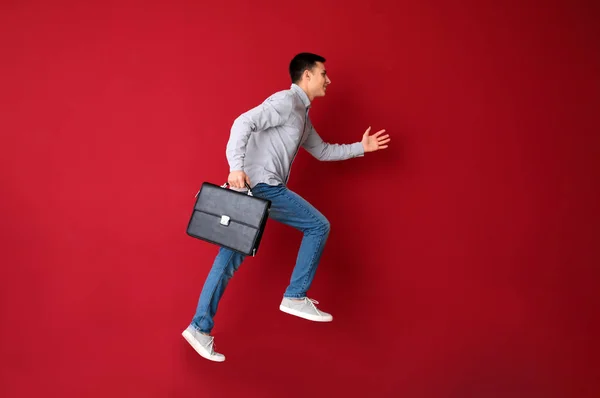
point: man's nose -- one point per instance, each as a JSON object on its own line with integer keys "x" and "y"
{"x": 327, "y": 80}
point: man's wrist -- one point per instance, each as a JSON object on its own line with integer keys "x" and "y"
{"x": 364, "y": 149}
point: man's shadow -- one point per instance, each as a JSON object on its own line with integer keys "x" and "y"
{"x": 343, "y": 191}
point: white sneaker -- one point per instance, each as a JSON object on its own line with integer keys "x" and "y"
{"x": 203, "y": 344}
{"x": 304, "y": 308}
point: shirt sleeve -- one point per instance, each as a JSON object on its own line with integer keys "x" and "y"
{"x": 330, "y": 152}
{"x": 274, "y": 111}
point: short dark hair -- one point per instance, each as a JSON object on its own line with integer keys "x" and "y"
{"x": 302, "y": 62}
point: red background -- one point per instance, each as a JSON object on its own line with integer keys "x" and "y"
{"x": 462, "y": 260}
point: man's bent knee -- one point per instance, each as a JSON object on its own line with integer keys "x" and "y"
{"x": 323, "y": 227}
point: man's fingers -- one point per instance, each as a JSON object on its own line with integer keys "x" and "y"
{"x": 381, "y": 142}
{"x": 367, "y": 132}
{"x": 377, "y": 134}
{"x": 237, "y": 179}
{"x": 235, "y": 183}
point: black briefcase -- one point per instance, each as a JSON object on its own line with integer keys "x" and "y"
{"x": 229, "y": 218}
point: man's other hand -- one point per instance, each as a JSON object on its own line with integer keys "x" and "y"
{"x": 237, "y": 179}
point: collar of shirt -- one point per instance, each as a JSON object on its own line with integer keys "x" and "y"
{"x": 295, "y": 88}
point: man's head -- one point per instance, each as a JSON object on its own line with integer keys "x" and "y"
{"x": 308, "y": 71}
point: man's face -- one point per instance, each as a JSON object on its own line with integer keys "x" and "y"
{"x": 318, "y": 80}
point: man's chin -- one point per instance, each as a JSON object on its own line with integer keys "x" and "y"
{"x": 321, "y": 93}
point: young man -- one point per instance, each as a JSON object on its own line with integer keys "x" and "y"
{"x": 261, "y": 149}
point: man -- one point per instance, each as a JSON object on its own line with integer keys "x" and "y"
{"x": 261, "y": 149}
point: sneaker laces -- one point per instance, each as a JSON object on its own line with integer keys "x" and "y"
{"x": 211, "y": 345}
{"x": 312, "y": 303}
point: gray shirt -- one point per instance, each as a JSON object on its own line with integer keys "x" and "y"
{"x": 265, "y": 140}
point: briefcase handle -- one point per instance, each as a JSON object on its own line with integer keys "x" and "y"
{"x": 226, "y": 185}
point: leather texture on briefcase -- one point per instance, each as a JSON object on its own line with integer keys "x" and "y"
{"x": 229, "y": 218}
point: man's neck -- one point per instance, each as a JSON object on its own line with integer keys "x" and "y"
{"x": 303, "y": 92}
{"x": 310, "y": 97}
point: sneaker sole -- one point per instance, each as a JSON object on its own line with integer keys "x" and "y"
{"x": 199, "y": 349}
{"x": 315, "y": 318}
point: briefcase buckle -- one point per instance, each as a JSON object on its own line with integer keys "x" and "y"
{"x": 225, "y": 220}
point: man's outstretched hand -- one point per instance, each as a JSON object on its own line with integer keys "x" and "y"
{"x": 372, "y": 143}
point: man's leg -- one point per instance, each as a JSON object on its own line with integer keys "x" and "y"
{"x": 291, "y": 209}
{"x": 226, "y": 263}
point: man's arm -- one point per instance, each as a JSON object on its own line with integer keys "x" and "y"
{"x": 324, "y": 151}
{"x": 330, "y": 152}
{"x": 274, "y": 111}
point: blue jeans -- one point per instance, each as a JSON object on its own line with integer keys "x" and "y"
{"x": 288, "y": 208}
